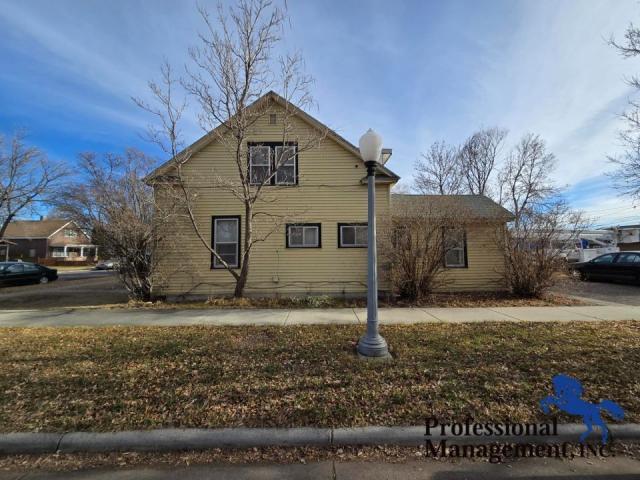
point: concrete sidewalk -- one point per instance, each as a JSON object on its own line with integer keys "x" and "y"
{"x": 108, "y": 317}
{"x": 618, "y": 468}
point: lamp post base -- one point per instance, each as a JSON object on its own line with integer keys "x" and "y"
{"x": 373, "y": 347}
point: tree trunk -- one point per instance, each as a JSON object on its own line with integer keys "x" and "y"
{"x": 248, "y": 238}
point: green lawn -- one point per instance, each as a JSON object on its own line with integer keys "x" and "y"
{"x": 101, "y": 379}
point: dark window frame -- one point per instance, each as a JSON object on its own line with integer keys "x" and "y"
{"x": 351, "y": 224}
{"x": 272, "y": 146}
{"x": 286, "y": 234}
{"x": 464, "y": 246}
{"x": 213, "y": 240}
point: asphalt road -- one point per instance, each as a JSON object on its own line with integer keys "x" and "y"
{"x": 601, "y": 291}
{"x": 72, "y": 289}
{"x": 81, "y": 274}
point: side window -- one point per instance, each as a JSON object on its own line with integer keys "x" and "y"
{"x": 15, "y": 268}
{"x": 226, "y": 241}
{"x": 30, "y": 268}
{"x": 352, "y": 235}
{"x": 455, "y": 247}
{"x": 303, "y": 235}
{"x": 629, "y": 258}
{"x": 259, "y": 164}
{"x": 608, "y": 258}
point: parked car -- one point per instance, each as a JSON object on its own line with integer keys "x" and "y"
{"x": 20, "y": 273}
{"x": 612, "y": 267}
{"x": 107, "y": 265}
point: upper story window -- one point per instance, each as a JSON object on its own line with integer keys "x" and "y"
{"x": 273, "y": 163}
{"x": 455, "y": 248}
{"x": 70, "y": 233}
{"x": 352, "y": 235}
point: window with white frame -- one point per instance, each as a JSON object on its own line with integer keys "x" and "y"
{"x": 226, "y": 241}
{"x": 70, "y": 233}
{"x": 259, "y": 163}
{"x": 303, "y": 235}
{"x": 269, "y": 157}
{"x": 455, "y": 245}
{"x": 285, "y": 160}
{"x": 57, "y": 252}
{"x": 352, "y": 235}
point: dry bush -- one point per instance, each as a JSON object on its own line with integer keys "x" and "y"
{"x": 415, "y": 241}
{"x": 531, "y": 257}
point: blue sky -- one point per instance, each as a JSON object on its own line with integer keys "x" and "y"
{"x": 416, "y": 72}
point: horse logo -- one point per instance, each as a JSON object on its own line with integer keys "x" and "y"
{"x": 567, "y": 397}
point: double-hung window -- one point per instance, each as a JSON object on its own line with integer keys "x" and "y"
{"x": 285, "y": 163}
{"x": 226, "y": 241}
{"x": 455, "y": 248}
{"x": 273, "y": 163}
{"x": 303, "y": 235}
{"x": 259, "y": 163}
{"x": 352, "y": 235}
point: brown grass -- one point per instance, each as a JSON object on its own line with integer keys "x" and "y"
{"x": 118, "y": 378}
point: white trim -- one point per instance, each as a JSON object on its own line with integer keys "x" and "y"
{"x": 70, "y": 221}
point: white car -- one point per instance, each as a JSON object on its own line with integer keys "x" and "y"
{"x": 106, "y": 265}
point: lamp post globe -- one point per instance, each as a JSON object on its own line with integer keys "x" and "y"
{"x": 371, "y": 344}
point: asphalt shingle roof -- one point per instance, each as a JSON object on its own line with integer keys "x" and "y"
{"x": 473, "y": 206}
{"x": 34, "y": 228}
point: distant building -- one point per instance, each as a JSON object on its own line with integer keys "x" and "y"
{"x": 56, "y": 238}
{"x": 628, "y": 237}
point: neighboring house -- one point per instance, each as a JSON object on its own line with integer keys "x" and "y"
{"x": 316, "y": 209}
{"x": 56, "y": 238}
{"x": 628, "y": 237}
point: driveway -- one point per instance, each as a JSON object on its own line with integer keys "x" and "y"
{"x": 600, "y": 291}
{"x": 72, "y": 289}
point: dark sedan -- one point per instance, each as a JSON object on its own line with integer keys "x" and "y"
{"x": 612, "y": 267}
{"x": 20, "y": 273}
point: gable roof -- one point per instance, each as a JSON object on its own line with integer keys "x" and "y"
{"x": 207, "y": 138}
{"x": 35, "y": 228}
{"x": 475, "y": 206}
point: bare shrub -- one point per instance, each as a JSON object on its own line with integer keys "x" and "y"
{"x": 416, "y": 240}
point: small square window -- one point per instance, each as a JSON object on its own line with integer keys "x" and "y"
{"x": 352, "y": 235}
{"x": 303, "y": 235}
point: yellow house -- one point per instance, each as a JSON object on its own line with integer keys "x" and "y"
{"x": 311, "y": 217}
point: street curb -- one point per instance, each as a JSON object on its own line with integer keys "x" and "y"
{"x": 175, "y": 439}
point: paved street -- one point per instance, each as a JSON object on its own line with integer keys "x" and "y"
{"x": 601, "y": 291}
{"x": 618, "y": 468}
{"x": 309, "y": 316}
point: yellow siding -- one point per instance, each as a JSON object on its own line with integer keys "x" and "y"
{"x": 485, "y": 262}
{"x": 329, "y": 192}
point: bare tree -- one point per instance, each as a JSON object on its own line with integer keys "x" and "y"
{"x": 524, "y": 182}
{"x": 438, "y": 172}
{"x": 27, "y": 178}
{"x": 233, "y": 66}
{"x": 626, "y": 176}
{"x": 478, "y": 158}
{"x": 112, "y": 202}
